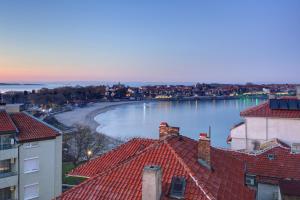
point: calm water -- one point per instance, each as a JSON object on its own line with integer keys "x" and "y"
{"x": 193, "y": 117}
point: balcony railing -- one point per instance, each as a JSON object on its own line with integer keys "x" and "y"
{"x": 7, "y": 174}
{"x": 7, "y": 146}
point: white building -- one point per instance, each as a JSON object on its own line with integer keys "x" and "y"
{"x": 30, "y": 157}
{"x": 277, "y": 118}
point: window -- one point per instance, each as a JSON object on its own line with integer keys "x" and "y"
{"x": 177, "y": 187}
{"x": 31, "y": 145}
{"x": 5, "y": 193}
{"x": 31, "y": 191}
{"x": 31, "y": 165}
{"x": 5, "y": 166}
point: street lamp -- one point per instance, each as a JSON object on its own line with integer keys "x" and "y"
{"x": 89, "y": 153}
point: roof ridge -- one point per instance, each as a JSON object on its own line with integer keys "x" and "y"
{"x": 190, "y": 172}
{"x": 43, "y": 122}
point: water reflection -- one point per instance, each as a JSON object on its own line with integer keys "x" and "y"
{"x": 193, "y": 117}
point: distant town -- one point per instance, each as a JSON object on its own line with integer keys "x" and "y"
{"x": 62, "y": 98}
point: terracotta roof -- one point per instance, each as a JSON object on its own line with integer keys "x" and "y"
{"x": 31, "y": 129}
{"x": 177, "y": 155}
{"x": 290, "y": 188}
{"x": 112, "y": 158}
{"x": 263, "y": 110}
{"x": 6, "y": 124}
{"x": 285, "y": 165}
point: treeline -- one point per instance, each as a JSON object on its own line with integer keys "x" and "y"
{"x": 66, "y": 95}
{"x": 58, "y": 96}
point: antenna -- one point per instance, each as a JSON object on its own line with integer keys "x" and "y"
{"x": 209, "y": 131}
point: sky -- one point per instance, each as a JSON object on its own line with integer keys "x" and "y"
{"x": 230, "y": 41}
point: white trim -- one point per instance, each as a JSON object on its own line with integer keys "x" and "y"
{"x": 30, "y": 145}
{"x": 32, "y": 197}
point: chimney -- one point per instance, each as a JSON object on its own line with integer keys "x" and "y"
{"x": 165, "y": 130}
{"x": 151, "y": 183}
{"x": 298, "y": 91}
{"x": 204, "y": 150}
{"x": 14, "y": 108}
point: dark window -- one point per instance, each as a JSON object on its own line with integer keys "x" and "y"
{"x": 5, "y": 193}
{"x": 5, "y": 166}
{"x": 177, "y": 187}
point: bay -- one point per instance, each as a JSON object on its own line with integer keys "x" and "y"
{"x": 193, "y": 117}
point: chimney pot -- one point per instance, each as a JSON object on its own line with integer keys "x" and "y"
{"x": 151, "y": 183}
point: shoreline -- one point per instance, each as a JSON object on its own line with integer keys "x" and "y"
{"x": 86, "y": 116}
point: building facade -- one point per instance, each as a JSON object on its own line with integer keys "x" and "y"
{"x": 30, "y": 156}
{"x": 277, "y": 118}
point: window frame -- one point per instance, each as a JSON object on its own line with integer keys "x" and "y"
{"x": 38, "y": 191}
{"x": 32, "y": 171}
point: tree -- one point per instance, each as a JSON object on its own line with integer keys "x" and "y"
{"x": 82, "y": 144}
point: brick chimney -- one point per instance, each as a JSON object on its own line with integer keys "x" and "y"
{"x": 151, "y": 183}
{"x": 204, "y": 150}
{"x": 165, "y": 130}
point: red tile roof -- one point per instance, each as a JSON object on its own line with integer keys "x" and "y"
{"x": 31, "y": 129}
{"x": 6, "y": 124}
{"x": 285, "y": 165}
{"x": 112, "y": 158}
{"x": 177, "y": 155}
{"x": 263, "y": 110}
{"x": 290, "y": 188}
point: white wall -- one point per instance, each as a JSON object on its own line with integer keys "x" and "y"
{"x": 262, "y": 129}
{"x": 49, "y": 175}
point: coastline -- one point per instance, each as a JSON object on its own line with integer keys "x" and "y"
{"x": 85, "y": 116}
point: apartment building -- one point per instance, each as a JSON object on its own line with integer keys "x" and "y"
{"x": 30, "y": 156}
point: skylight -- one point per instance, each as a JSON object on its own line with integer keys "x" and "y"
{"x": 177, "y": 187}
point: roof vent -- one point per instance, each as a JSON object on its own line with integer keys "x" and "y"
{"x": 271, "y": 156}
{"x": 250, "y": 180}
{"x": 295, "y": 148}
{"x": 177, "y": 187}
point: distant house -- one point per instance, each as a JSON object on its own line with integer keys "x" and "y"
{"x": 177, "y": 167}
{"x": 277, "y": 118}
{"x": 30, "y": 156}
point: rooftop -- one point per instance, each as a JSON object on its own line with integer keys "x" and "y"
{"x": 6, "y": 125}
{"x": 118, "y": 175}
{"x": 26, "y": 126}
{"x": 264, "y": 110}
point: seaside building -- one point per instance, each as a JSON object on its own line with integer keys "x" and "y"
{"x": 276, "y": 118}
{"x": 30, "y": 156}
{"x": 177, "y": 167}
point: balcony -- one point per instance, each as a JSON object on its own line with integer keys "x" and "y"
{"x": 8, "y": 174}
{"x": 7, "y": 146}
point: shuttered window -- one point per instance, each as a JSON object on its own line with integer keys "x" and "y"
{"x": 31, "y": 165}
{"x": 31, "y": 191}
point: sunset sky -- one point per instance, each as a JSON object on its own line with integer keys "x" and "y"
{"x": 208, "y": 41}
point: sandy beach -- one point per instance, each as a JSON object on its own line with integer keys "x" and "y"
{"x": 85, "y": 116}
